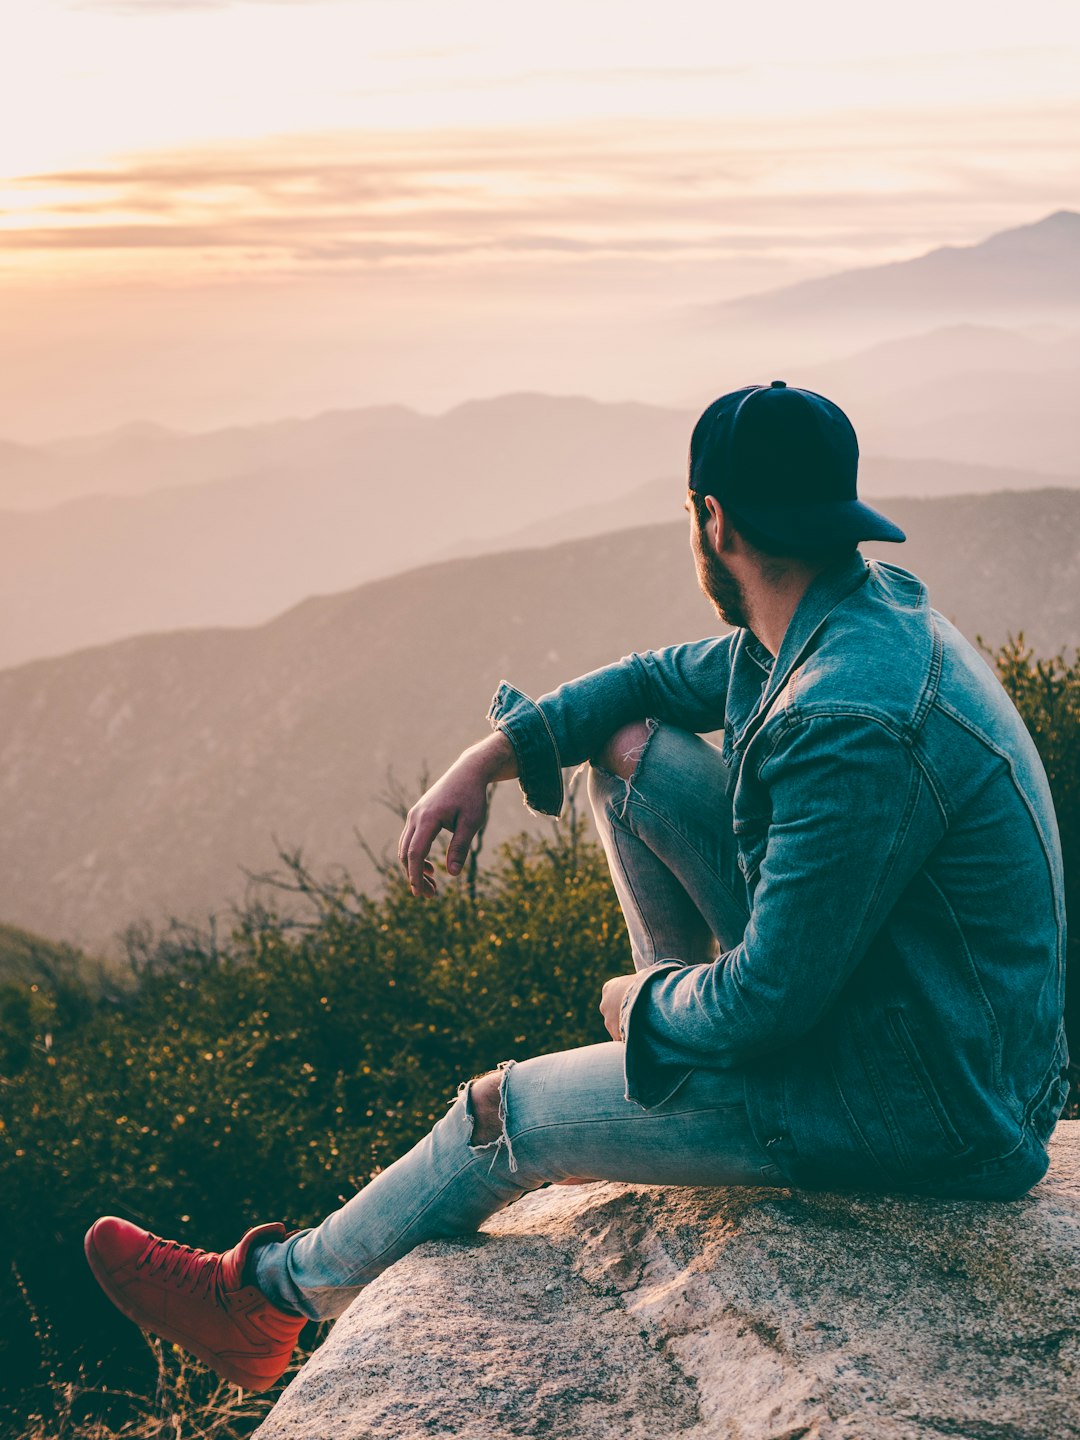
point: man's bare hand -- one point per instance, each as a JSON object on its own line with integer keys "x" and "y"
{"x": 611, "y": 999}
{"x": 456, "y": 802}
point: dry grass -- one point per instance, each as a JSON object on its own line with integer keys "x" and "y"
{"x": 182, "y": 1405}
{"x": 188, "y": 1401}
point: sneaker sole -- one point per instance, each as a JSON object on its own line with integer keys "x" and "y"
{"x": 221, "y": 1367}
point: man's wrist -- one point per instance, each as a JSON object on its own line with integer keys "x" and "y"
{"x": 494, "y": 757}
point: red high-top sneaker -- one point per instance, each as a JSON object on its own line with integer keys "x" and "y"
{"x": 196, "y": 1299}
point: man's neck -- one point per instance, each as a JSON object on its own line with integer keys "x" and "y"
{"x": 770, "y": 605}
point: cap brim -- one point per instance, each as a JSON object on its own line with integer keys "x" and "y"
{"x": 826, "y": 523}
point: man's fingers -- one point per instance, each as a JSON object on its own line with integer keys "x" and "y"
{"x": 458, "y": 850}
{"x": 417, "y": 838}
{"x": 405, "y": 841}
{"x": 403, "y": 844}
{"x": 419, "y": 845}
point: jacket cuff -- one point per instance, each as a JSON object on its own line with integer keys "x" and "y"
{"x": 524, "y": 724}
{"x": 649, "y": 1082}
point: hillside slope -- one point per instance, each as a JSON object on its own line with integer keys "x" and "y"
{"x": 138, "y": 777}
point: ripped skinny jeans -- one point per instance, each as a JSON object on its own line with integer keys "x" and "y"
{"x": 566, "y": 1115}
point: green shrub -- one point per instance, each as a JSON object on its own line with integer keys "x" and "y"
{"x": 1047, "y": 695}
{"x": 270, "y": 1076}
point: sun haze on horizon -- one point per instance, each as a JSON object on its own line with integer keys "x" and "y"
{"x": 215, "y": 212}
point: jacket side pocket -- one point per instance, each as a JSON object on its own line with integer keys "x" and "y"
{"x": 934, "y": 1104}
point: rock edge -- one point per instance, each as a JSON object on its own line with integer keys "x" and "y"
{"x": 723, "y": 1314}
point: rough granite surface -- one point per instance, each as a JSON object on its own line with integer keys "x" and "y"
{"x": 645, "y": 1311}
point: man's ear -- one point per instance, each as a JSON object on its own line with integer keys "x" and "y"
{"x": 722, "y": 527}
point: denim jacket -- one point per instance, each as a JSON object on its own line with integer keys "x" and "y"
{"x": 896, "y": 1001}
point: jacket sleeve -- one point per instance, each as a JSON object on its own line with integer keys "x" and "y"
{"x": 685, "y": 685}
{"x": 852, "y": 819}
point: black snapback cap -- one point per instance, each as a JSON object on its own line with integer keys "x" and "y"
{"x": 785, "y": 461}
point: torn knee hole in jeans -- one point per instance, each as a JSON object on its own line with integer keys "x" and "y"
{"x": 636, "y": 755}
{"x": 502, "y": 1140}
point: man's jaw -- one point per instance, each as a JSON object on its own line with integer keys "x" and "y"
{"x": 720, "y": 587}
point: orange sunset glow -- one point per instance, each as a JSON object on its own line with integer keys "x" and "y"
{"x": 213, "y": 212}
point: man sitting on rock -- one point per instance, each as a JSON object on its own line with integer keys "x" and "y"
{"x": 846, "y": 920}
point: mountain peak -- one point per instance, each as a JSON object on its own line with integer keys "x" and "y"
{"x": 1069, "y": 218}
{"x": 1057, "y": 230}
{"x": 1021, "y": 274}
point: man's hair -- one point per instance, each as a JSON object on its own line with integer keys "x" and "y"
{"x": 769, "y": 550}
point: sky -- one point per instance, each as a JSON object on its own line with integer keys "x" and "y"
{"x": 223, "y": 211}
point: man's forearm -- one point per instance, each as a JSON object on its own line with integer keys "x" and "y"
{"x": 684, "y": 685}
{"x": 493, "y": 757}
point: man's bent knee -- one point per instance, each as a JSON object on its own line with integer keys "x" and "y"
{"x": 622, "y": 751}
{"x": 486, "y": 1108}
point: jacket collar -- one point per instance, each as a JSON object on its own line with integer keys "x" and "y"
{"x": 825, "y": 592}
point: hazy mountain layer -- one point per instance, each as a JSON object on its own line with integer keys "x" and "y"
{"x": 355, "y": 505}
{"x": 239, "y": 551}
{"x": 145, "y": 529}
{"x": 142, "y": 456}
{"x": 656, "y": 501}
{"x": 138, "y": 777}
{"x": 1032, "y": 271}
{"x": 383, "y": 446}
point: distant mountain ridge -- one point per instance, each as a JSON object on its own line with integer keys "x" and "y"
{"x": 966, "y": 287}
{"x": 142, "y": 528}
{"x": 349, "y": 499}
{"x": 354, "y": 496}
{"x": 138, "y": 777}
{"x": 1017, "y": 273}
{"x": 654, "y": 502}
{"x": 143, "y": 456}
{"x": 135, "y": 431}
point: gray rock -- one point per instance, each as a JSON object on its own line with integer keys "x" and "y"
{"x": 642, "y": 1311}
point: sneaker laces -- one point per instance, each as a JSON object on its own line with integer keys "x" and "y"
{"x": 182, "y": 1266}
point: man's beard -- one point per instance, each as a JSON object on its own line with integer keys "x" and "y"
{"x": 719, "y": 584}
